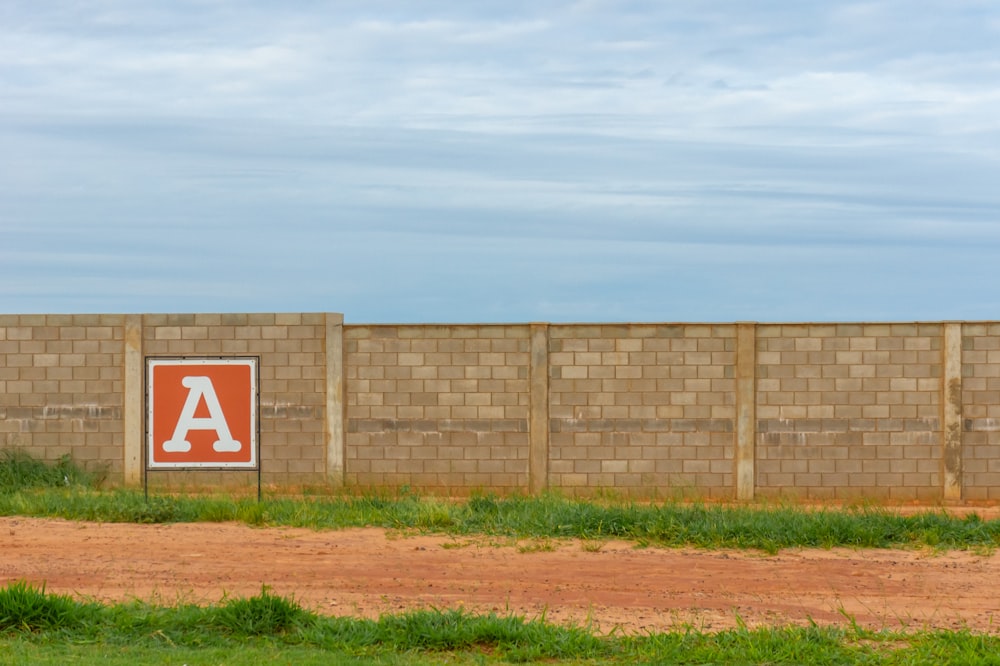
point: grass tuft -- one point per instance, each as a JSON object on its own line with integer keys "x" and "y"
{"x": 20, "y": 470}
{"x": 25, "y": 607}
{"x": 511, "y": 636}
{"x": 263, "y": 615}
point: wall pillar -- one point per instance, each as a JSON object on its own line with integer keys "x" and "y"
{"x": 538, "y": 412}
{"x": 951, "y": 413}
{"x": 744, "y": 466}
{"x": 334, "y": 415}
{"x": 134, "y": 393}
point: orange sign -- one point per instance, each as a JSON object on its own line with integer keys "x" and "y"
{"x": 201, "y": 413}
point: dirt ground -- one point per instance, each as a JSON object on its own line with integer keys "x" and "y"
{"x": 610, "y": 585}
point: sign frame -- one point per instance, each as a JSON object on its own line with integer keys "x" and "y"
{"x": 202, "y": 393}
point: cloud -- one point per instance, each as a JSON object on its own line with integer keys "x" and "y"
{"x": 501, "y": 160}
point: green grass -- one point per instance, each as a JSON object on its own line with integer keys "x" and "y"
{"x": 761, "y": 527}
{"x": 20, "y": 470}
{"x": 37, "y": 627}
{"x": 32, "y": 488}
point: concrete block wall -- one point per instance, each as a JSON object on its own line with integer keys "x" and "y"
{"x": 62, "y": 385}
{"x": 981, "y": 411}
{"x": 849, "y": 410}
{"x": 437, "y": 407}
{"x": 642, "y": 409}
{"x": 904, "y": 411}
{"x": 73, "y": 384}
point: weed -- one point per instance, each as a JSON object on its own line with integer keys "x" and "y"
{"x": 537, "y": 546}
{"x": 456, "y": 545}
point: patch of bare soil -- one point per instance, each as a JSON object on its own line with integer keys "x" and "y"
{"x": 613, "y": 585}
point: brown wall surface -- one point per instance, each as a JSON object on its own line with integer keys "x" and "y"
{"x": 437, "y": 406}
{"x": 62, "y": 386}
{"x": 981, "y": 411}
{"x": 640, "y": 408}
{"x": 849, "y": 410}
{"x": 898, "y": 411}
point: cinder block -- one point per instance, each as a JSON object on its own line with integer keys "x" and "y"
{"x": 274, "y": 332}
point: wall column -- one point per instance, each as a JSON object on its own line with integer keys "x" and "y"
{"x": 134, "y": 398}
{"x": 745, "y": 437}
{"x": 334, "y": 416}
{"x": 951, "y": 413}
{"x": 538, "y": 412}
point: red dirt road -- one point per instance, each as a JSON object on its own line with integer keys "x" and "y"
{"x": 367, "y": 572}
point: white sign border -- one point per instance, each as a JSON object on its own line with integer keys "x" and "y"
{"x": 254, "y": 363}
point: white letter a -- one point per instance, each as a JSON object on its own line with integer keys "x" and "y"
{"x": 201, "y": 387}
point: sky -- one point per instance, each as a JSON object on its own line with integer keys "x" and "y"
{"x": 405, "y": 161}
